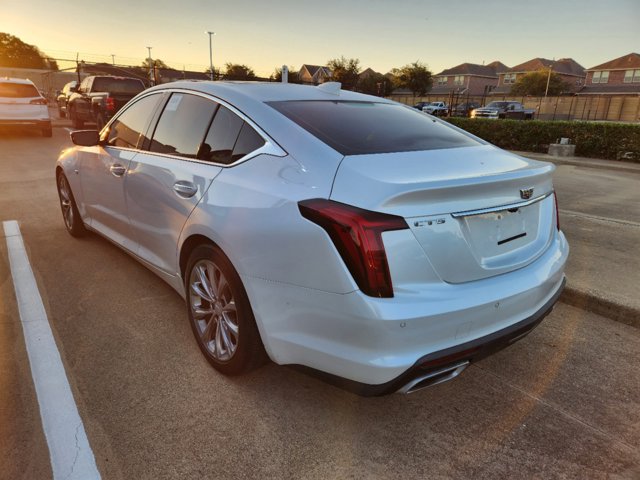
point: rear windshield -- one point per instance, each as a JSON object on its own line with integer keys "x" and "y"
{"x": 117, "y": 85}
{"x": 357, "y": 128}
{"x": 18, "y": 90}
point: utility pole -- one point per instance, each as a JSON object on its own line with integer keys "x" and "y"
{"x": 151, "y": 79}
{"x": 210, "y": 54}
{"x": 113, "y": 59}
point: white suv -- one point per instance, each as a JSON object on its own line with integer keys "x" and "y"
{"x": 22, "y": 105}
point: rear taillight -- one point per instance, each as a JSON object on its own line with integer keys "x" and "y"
{"x": 38, "y": 101}
{"x": 110, "y": 104}
{"x": 555, "y": 201}
{"x": 357, "y": 235}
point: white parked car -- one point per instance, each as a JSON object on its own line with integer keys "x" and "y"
{"x": 340, "y": 232}
{"x": 438, "y": 109}
{"x": 21, "y": 104}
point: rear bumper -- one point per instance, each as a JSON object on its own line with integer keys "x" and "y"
{"x": 448, "y": 359}
{"x": 370, "y": 345}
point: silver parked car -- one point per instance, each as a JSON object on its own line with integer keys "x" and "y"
{"x": 343, "y": 233}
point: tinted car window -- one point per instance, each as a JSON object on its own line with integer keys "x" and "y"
{"x": 221, "y": 138}
{"x": 130, "y": 126}
{"x": 183, "y": 125}
{"x": 117, "y": 85}
{"x": 248, "y": 141}
{"x": 18, "y": 90}
{"x": 356, "y": 128}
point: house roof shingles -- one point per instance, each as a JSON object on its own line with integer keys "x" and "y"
{"x": 630, "y": 61}
{"x": 564, "y": 66}
{"x": 490, "y": 70}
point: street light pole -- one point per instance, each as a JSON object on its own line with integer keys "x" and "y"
{"x": 546, "y": 90}
{"x": 210, "y": 54}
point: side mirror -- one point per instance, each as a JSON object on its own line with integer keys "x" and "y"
{"x": 85, "y": 138}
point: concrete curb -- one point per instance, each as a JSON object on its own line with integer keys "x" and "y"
{"x": 619, "y": 166}
{"x": 601, "y": 306}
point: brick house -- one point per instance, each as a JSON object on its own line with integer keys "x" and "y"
{"x": 618, "y": 76}
{"x": 467, "y": 79}
{"x": 567, "y": 68}
{"x": 314, "y": 74}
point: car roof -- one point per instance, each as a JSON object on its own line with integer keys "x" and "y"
{"x": 23, "y": 81}
{"x": 268, "y": 91}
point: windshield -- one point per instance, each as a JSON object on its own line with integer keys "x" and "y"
{"x": 18, "y": 90}
{"x": 357, "y": 128}
{"x": 497, "y": 105}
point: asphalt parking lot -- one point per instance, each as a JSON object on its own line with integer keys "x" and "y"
{"x": 562, "y": 403}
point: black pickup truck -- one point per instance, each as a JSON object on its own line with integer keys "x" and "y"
{"x": 98, "y": 98}
{"x": 504, "y": 109}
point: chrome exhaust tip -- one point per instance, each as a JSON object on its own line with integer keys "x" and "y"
{"x": 434, "y": 378}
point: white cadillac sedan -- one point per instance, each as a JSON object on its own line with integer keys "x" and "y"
{"x": 348, "y": 235}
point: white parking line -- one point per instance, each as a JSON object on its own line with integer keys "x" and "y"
{"x": 71, "y": 455}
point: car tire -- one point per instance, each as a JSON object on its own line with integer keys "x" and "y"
{"x": 47, "y": 131}
{"x": 219, "y": 312}
{"x": 72, "y": 220}
{"x": 75, "y": 121}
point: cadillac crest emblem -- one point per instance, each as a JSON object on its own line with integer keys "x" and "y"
{"x": 526, "y": 193}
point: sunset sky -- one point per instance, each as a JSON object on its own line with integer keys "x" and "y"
{"x": 382, "y": 34}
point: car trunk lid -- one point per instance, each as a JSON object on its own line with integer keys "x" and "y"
{"x": 476, "y": 211}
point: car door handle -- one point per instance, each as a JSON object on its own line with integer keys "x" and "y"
{"x": 185, "y": 189}
{"x": 117, "y": 170}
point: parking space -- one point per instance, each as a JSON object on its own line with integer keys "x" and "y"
{"x": 562, "y": 403}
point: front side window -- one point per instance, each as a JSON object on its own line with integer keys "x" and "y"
{"x": 356, "y": 128}
{"x": 84, "y": 86}
{"x": 182, "y": 125}
{"x": 129, "y": 128}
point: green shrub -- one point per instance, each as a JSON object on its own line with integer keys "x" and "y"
{"x": 613, "y": 141}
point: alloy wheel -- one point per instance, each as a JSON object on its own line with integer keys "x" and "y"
{"x": 213, "y": 309}
{"x": 65, "y": 201}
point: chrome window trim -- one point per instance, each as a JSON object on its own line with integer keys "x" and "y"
{"x": 501, "y": 208}
{"x": 270, "y": 147}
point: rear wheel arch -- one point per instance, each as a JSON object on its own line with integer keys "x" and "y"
{"x": 188, "y": 246}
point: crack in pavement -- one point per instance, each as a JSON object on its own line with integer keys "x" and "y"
{"x": 75, "y": 460}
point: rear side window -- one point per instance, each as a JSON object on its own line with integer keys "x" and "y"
{"x": 248, "y": 141}
{"x": 357, "y": 128}
{"x": 130, "y": 126}
{"x": 229, "y": 139}
{"x": 182, "y": 125}
{"x": 18, "y": 90}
